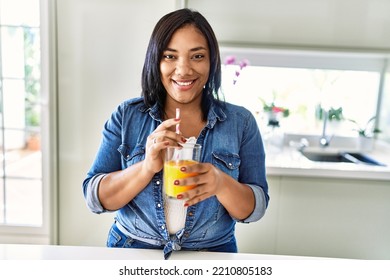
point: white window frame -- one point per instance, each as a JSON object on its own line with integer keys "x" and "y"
{"x": 309, "y": 58}
{"x": 47, "y": 233}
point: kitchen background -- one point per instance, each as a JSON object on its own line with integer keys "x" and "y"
{"x": 307, "y": 57}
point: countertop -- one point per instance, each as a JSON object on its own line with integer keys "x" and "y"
{"x": 18, "y": 261}
{"x": 288, "y": 161}
{"x": 53, "y": 252}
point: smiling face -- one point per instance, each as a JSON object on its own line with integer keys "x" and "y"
{"x": 185, "y": 66}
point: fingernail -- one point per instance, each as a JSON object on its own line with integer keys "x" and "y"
{"x": 183, "y": 169}
{"x": 186, "y": 204}
{"x": 177, "y": 119}
{"x": 176, "y": 182}
{"x": 179, "y": 196}
{"x": 183, "y": 140}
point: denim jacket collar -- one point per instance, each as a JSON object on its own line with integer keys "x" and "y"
{"x": 216, "y": 113}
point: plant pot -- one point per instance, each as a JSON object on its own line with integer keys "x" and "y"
{"x": 366, "y": 143}
{"x": 34, "y": 143}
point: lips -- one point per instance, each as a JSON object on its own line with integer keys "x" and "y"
{"x": 184, "y": 83}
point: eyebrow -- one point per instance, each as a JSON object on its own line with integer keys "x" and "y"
{"x": 192, "y": 50}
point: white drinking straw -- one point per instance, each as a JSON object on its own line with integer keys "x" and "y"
{"x": 177, "y": 117}
{"x": 177, "y": 157}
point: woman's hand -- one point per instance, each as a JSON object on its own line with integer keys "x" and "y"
{"x": 158, "y": 141}
{"x": 208, "y": 181}
{"x": 117, "y": 188}
{"x": 237, "y": 198}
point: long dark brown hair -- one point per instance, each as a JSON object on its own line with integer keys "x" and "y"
{"x": 153, "y": 90}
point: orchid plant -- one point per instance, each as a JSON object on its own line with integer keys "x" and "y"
{"x": 232, "y": 60}
{"x": 368, "y": 130}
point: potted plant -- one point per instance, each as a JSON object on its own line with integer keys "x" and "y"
{"x": 33, "y": 139}
{"x": 368, "y": 130}
{"x": 366, "y": 133}
{"x": 332, "y": 114}
{"x": 274, "y": 111}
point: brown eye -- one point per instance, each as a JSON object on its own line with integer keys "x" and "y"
{"x": 198, "y": 56}
{"x": 168, "y": 56}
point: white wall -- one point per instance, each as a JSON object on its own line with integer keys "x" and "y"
{"x": 352, "y": 24}
{"x": 101, "y": 47}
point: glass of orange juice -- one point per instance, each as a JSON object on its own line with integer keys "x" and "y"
{"x": 175, "y": 158}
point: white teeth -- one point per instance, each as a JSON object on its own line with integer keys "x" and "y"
{"x": 184, "y": 83}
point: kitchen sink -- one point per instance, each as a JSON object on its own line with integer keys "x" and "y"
{"x": 326, "y": 157}
{"x": 351, "y": 157}
{"x": 362, "y": 158}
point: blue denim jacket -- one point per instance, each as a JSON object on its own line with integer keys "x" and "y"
{"x": 231, "y": 141}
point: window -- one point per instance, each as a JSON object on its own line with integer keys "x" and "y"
{"x": 22, "y": 191}
{"x": 385, "y": 107}
{"x": 307, "y": 83}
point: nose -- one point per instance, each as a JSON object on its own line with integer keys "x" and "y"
{"x": 183, "y": 67}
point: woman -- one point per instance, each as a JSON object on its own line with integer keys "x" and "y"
{"x": 182, "y": 70}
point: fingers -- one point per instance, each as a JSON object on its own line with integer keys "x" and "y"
{"x": 205, "y": 181}
{"x": 165, "y": 125}
{"x": 168, "y": 138}
{"x": 194, "y": 199}
{"x": 165, "y": 133}
{"x": 196, "y": 195}
{"x": 158, "y": 141}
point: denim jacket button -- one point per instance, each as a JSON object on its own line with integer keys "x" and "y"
{"x": 158, "y": 182}
{"x": 162, "y": 227}
{"x": 158, "y": 205}
{"x": 190, "y": 214}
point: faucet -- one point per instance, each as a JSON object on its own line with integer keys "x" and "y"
{"x": 325, "y": 140}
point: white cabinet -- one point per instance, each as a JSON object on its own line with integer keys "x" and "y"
{"x": 260, "y": 237}
{"x": 324, "y": 217}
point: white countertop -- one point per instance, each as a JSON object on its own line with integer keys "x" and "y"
{"x": 290, "y": 162}
{"x": 53, "y": 252}
{"x": 18, "y": 261}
